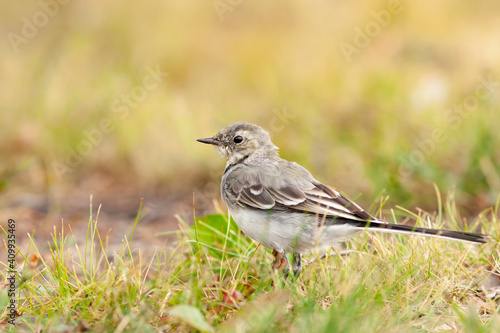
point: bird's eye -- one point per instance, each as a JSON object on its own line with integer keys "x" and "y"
{"x": 238, "y": 139}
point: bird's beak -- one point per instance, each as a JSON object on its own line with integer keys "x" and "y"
{"x": 210, "y": 141}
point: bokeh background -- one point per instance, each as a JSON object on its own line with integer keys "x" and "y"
{"x": 376, "y": 98}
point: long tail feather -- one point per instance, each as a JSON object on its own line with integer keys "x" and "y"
{"x": 409, "y": 230}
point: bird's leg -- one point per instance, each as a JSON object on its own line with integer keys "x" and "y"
{"x": 280, "y": 260}
{"x": 297, "y": 264}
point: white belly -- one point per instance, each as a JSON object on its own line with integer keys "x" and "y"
{"x": 290, "y": 233}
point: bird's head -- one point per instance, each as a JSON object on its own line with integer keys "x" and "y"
{"x": 240, "y": 141}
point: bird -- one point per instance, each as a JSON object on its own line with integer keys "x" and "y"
{"x": 280, "y": 205}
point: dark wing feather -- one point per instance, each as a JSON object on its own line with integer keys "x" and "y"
{"x": 316, "y": 199}
{"x": 329, "y": 197}
{"x": 254, "y": 196}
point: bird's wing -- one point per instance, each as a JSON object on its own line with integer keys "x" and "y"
{"x": 328, "y": 202}
{"x": 309, "y": 197}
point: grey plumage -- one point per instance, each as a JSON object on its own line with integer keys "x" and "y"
{"x": 282, "y": 206}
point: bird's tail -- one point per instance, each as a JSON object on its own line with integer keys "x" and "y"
{"x": 409, "y": 230}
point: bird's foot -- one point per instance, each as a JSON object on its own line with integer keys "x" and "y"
{"x": 280, "y": 260}
{"x": 297, "y": 264}
{"x": 281, "y": 263}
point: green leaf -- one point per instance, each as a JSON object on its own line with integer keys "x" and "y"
{"x": 191, "y": 316}
{"x": 212, "y": 231}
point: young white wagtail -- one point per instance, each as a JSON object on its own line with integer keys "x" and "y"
{"x": 280, "y": 205}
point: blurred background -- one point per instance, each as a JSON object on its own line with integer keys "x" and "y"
{"x": 377, "y": 98}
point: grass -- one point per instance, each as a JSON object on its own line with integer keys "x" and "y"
{"x": 213, "y": 278}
